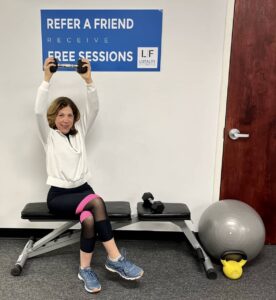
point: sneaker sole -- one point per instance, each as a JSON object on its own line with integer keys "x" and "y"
{"x": 87, "y": 289}
{"x": 127, "y": 278}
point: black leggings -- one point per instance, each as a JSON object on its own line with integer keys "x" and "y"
{"x": 91, "y": 209}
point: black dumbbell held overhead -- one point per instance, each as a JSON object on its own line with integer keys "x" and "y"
{"x": 80, "y": 68}
{"x": 156, "y": 207}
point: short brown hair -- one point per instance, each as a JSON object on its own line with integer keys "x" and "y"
{"x": 59, "y": 104}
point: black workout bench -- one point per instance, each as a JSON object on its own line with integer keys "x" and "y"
{"x": 119, "y": 214}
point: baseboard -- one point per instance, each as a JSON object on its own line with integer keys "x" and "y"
{"x": 118, "y": 234}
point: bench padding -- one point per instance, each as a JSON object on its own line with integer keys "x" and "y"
{"x": 172, "y": 211}
{"x": 38, "y": 211}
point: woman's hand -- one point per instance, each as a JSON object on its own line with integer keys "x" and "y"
{"x": 87, "y": 75}
{"x": 48, "y": 63}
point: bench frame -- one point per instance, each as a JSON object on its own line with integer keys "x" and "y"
{"x": 65, "y": 236}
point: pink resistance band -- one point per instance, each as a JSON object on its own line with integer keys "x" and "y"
{"x": 85, "y": 214}
{"x": 84, "y": 201}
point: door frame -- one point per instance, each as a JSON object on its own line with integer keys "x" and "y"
{"x": 223, "y": 99}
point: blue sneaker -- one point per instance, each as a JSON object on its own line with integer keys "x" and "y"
{"x": 90, "y": 279}
{"x": 124, "y": 268}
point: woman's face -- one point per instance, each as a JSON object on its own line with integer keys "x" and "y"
{"x": 65, "y": 119}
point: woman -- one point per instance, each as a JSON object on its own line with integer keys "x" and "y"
{"x": 63, "y": 138}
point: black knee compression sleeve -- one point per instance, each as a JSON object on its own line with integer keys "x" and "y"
{"x": 87, "y": 245}
{"x": 104, "y": 230}
{"x": 88, "y": 238}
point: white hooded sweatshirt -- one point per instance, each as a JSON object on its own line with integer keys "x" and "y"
{"x": 66, "y": 159}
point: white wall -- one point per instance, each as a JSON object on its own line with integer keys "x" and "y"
{"x": 156, "y": 131}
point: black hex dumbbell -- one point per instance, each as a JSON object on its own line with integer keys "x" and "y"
{"x": 156, "y": 207}
{"x": 80, "y": 68}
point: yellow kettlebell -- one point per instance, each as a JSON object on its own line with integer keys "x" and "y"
{"x": 233, "y": 269}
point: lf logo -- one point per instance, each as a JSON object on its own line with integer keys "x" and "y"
{"x": 147, "y": 57}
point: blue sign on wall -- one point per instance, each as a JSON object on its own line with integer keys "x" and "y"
{"x": 113, "y": 40}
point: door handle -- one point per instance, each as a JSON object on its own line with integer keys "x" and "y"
{"x": 235, "y": 134}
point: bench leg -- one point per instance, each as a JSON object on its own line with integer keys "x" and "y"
{"x": 17, "y": 269}
{"x": 201, "y": 254}
{"x": 50, "y": 242}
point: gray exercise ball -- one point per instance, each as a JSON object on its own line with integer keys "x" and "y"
{"x": 231, "y": 225}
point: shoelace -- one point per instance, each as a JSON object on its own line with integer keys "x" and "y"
{"x": 90, "y": 272}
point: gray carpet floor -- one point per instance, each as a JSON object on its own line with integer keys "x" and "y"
{"x": 172, "y": 272}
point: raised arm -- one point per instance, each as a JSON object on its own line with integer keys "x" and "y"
{"x": 91, "y": 106}
{"x": 42, "y": 101}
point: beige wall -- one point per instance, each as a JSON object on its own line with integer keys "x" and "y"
{"x": 156, "y": 131}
